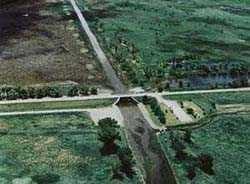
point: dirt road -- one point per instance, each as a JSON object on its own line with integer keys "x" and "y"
{"x": 110, "y": 72}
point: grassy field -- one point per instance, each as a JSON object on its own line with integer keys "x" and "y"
{"x": 58, "y": 148}
{"x": 55, "y": 105}
{"x": 202, "y": 43}
{"x": 40, "y": 44}
{"x": 217, "y": 151}
{"x": 225, "y": 139}
{"x": 207, "y": 101}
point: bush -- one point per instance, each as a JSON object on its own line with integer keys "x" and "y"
{"x": 93, "y": 91}
{"x": 74, "y": 91}
{"x": 108, "y": 132}
{"x": 55, "y": 92}
{"x": 84, "y": 90}
{"x": 190, "y": 111}
{"x": 13, "y": 93}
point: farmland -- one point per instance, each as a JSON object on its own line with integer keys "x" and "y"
{"x": 56, "y": 148}
{"x": 40, "y": 44}
{"x": 217, "y": 150}
{"x": 175, "y": 44}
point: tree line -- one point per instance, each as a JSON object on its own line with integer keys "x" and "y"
{"x": 54, "y": 91}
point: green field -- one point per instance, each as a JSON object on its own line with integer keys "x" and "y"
{"x": 58, "y": 148}
{"x": 201, "y": 43}
{"x": 55, "y": 105}
{"x": 225, "y": 139}
{"x": 207, "y": 101}
{"x": 222, "y": 137}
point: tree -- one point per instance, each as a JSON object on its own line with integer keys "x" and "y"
{"x": 126, "y": 158}
{"x": 108, "y": 132}
{"x": 31, "y": 92}
{"x": 55, "y": 91}
{"x": 22, "y": 92}
{"x": 179, "y": 148}
{"x": 84, "y": 90}
{"x": 188, "y": 136}
{"x": 41, "y": 92}
{"x": 74, "y": 90}
{"x": 191, "y": 172}
{"x": 206, "y": 163}
{"x": 12, "y": 94}
{"x": 190, "y": 111}
{"x": 93, "y": 91}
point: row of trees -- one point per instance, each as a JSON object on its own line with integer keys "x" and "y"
{"x": 155, "y": 107}
{"x": 109, "y": 135}
{"x": 55, "y": 91}
{"x": 202, "y": 161}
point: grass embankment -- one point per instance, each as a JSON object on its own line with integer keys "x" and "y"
{"x": 55, "y": 158}
{"x": 218, "y": 150}
{"x": 37, "y": 106}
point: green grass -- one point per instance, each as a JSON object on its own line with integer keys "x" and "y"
{"x": 226, "y": 139}
{"x": 144, "y": 37}
{"x": 224, "y": 136}
{"x": 206, "y": 101}
{"x": 55, "y": 105}
{"x": 60, "y": 157}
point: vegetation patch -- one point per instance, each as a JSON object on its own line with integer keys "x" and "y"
{"x": 71, "y": 155}
{"x": 41, "y": 91}
{"x": 203, "y": 153}
{"x": 175, "y": 44}
{"x": 40, "y": 44}
{"x": 77, "y": 104}
{"x": 214, "y": 153}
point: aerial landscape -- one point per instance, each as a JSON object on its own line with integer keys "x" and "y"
{"x": 125, "y": 92}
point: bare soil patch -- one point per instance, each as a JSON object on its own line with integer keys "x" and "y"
{"x": 38, "y": 44}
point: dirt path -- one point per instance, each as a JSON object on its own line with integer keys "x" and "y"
{"x": 142, "y": 138}
{"x": 110, "y": 72}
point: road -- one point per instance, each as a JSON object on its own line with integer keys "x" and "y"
{"x": 108, "y": 69}
{"x": 110, "y": 96}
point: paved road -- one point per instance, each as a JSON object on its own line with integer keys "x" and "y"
{"x": 177, "y": 110}
{"x": 110, "y": 72}
{"x": 108, "y": 96}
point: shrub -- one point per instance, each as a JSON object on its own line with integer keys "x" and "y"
{"x": 155, "y": 108}
{"x": 74, "y": 91}
{"x": 55, "y": 92}
{"x": 107, "y": 133}
{"x": 93, "y": 91}
{"x": 84, "y": 90}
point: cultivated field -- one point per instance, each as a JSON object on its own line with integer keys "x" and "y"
{"x": 217, "y": 149}
{"x": 175, "y": 44}
{"x": 40, "y": 43}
